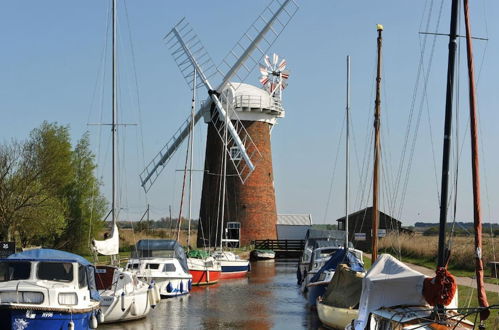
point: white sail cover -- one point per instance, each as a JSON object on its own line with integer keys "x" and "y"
{"x": 109, "y": 246}
{"x": 388, "y": 283}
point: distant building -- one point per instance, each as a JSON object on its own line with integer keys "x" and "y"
{"x": 293, "y": 226}
{"x": 360, "y": 227}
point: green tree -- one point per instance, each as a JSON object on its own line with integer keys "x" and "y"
{"x": 87, "y": 207}
{"x": 48, "y": 192}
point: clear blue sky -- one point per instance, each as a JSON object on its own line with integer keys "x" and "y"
{"x": 51, "y": 69}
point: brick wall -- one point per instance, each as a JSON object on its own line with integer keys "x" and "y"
{"x": 252, "y": 204}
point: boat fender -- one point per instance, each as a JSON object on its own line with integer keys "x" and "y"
{"x": 169, "y": 287}
{"x": 71, "y": 325}
{"x": 93, "y": 322}
{"x": 133, "y": 309}
{"x": 150, "y": 296}
{"x": 157, "y": 294}
{"x": 100, "y": 316}
{"x": 181, "y": 286}
{"x": 123, "y": 301}
{"x": 190, "y": 285}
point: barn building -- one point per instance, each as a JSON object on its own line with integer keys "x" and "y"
{"x": 360, "y": 227}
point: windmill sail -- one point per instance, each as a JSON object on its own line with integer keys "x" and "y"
{"x": 191, "y": 56}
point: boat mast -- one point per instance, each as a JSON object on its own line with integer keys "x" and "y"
{"x": 442, "y": 251}
{"x": 377, "y": 115}
{"x": 347, "y": 152}
{"x": 191, "y": 146}
{"x": 482, "y": 296}
{"x": 224, "y": 179}
{"x": 114, "y": 213}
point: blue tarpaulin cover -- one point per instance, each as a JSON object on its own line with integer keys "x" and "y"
{"x": 337, "y": 258}
{"x": 62, "y": 256}
{"x": 145, "y": 248}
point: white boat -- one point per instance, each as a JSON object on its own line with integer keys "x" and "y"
{"x": 48, "y": 289}
{"x": 123, "y": 296}
{"x": 162, "y": 262}
{"x": 260, "y": 254}
{"x": 392, "y": 298}
{"x": 232, "y": 265}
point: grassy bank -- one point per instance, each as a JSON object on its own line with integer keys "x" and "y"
{"x": 468, "y": 298}
{"x": 424, "y": 250}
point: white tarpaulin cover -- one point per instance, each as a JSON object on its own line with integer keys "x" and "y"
{"x": 109, "y": 246}
{"x": 388, "y": 283}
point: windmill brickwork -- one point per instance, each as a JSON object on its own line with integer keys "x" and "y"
{"x": 252, "y": 204}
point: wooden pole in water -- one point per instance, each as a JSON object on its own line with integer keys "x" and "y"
{"x": 482, "y": 296}
{"x": 377, "y": 115}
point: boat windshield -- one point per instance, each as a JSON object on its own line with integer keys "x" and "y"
{"x": 14, "y": 270}
{"x": 55, "y": 271}
{"x": 154, "y": 254}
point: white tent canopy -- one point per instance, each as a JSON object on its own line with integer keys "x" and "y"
{"x": 389, "y": 283}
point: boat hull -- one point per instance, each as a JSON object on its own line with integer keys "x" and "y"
{"x": 234, "y": 269}
{"x": 335, "y": 317}
{"x": 127, "y": 307}
{"x": 204, "y": 277}
{"x": 30, "y": 319}
{"x": 172, "y": 287}
{"x": 314, "y": 291}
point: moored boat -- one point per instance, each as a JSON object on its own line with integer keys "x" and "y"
{"x": 317, "y": 285}
{"x": 48, "y": 289}
{"x": 163, "y": 262}
{"x": 261, "y": 254}
{"x": 232, "y": 265}
{"x": 205, "y": 270}
{"x": 123, "y": 296}
{"x": 339, "y": 304}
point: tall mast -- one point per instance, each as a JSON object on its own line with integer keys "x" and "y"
{"x": 482, "y": 296}
{"x": 442, "y": 251}
{"x": 347, "y": 152}
{"x": 113, "y": 125}
{"x": 224, "y": 179}
{"x": 377, "y": 115}
{"x": 191, "y": 146}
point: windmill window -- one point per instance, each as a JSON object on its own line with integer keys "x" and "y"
{"x": 235, "y": 153}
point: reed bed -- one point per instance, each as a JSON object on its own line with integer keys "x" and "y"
{"x": 129, "y": 237}
{"x": 425, "y": 247}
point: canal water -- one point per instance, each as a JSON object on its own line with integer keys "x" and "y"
{"x": 268, "y": 298}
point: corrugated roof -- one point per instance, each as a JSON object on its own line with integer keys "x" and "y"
{"x": 294, "y": 219}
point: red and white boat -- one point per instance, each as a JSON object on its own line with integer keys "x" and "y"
{"x": 232, "y": 265}
{"x": 204, "y": 271}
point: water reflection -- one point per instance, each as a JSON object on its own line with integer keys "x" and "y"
{"x": 268, "y": 298}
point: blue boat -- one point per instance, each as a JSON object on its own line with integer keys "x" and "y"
{"x": 319, "y": 282}
{"x": 48, "y": 289}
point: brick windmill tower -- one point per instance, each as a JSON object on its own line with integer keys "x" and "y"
{"x": 239, "y": 117}
{"x": 250, "y": 205}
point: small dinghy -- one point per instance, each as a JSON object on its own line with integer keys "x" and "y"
{"x": 260, "y": 254}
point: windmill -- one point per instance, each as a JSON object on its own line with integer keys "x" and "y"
{"x": 220, "y": 110}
